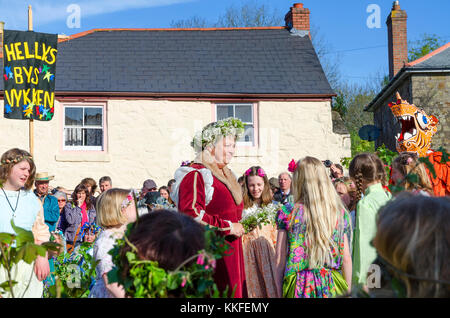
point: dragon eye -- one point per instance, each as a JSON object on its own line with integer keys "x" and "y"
{"x": 422, "y": 120}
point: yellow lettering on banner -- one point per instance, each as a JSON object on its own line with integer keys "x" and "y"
{"x": 27, "y": 51}
{"x": 52, "y": 53}
{"x": 8, "y": 98}
{"x": 26, "y": 99}
{"x": 18, "y": 51}
{"x": 16, "y": 97}
{"x": 48, "y": 99}
{"x": 36, "y": 76}
{"x": 18, "y": 78}
{"x": 10, "y": 53}
{"x": 36, "y": 51}
{"x": 45, "y": 51}
{"x": 28, "y": 74}
{"x": 37, "y": 96}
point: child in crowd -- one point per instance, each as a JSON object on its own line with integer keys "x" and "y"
{"x": 413, "y": 247}
{"x": 314, "y": 237}
{"x": 407, "y": 162}
{"x": 167, "y": 237}
{"x": 259, "y": 244}
{"x": 345, "y": 187}
{"x": 115, "y": 209}
{"x": 368, "y": 173}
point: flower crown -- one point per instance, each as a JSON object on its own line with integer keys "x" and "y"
{"x": 212, "y": 132}
{"x": 16, "y": 159}
{"x": 130, "y": 198}
{"x": 260, "y": 172}
{"x": 194, "y": 280}
{"x": 89, "y": 227}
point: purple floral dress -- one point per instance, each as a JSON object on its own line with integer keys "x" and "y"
{"x": 299, "y": 280}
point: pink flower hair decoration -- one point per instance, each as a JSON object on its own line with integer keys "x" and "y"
{"x": 260, "y": 172}
{"x": 292, "y": 166}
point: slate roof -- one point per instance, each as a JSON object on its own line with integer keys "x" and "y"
{"x": 438, "y": 60}
{"x": 210, "y": 61}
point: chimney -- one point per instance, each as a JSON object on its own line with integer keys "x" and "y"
{"x": 298, "y": 17}
{"x": 397, "y": 42}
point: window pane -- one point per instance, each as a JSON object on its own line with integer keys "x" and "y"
{"x": 93, "y": 116}
{"x": 248, "y": 134}
{"x": 93, "y": 137}
{"x": 73, "y": 137}
{"x": 244, "y": 113}
{"x": 224, "y": 111}
{"x": 74, "y": 116}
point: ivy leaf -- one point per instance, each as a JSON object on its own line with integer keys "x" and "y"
{"x": 429, "y": 165}
{"x": 23, "y": 236}
{"x": 6, "y": 238}
{"x": 5, "y": 285}
{"x": 445, "y": 155}
{"x": 412, "y": 177}
{"x": 28, "y": 253}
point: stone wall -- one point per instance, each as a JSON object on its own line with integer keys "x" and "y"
{"x": 149, "y": 139}
{"x": 431, "y": 92}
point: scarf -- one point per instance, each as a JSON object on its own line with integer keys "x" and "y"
{"x": 84, "y": 216}
{"x": 225, "y": 175}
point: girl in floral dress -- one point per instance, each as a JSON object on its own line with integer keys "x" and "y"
{"x": 314, "y": 235}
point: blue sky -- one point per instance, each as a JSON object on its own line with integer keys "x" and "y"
{"x": 361, "y": 51}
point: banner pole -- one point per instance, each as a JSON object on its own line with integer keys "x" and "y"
{"x": 31, "y": 122}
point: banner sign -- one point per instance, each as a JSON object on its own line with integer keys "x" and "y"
{"x": 29, "y": 64}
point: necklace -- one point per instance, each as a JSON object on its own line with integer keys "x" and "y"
{"x": 17, "y": 202}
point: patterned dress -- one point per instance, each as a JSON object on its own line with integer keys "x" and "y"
{"x": 299, "y": 280}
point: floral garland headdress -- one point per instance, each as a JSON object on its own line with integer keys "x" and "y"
{"x": 16, "y": 159}
{"x": 212, "y": 132}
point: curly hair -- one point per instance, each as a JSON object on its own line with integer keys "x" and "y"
{"x": 79, "y": 188}
{"x": 12, "y": 157}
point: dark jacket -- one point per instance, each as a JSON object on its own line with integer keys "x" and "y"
{"x": 71, "y": 220}
{"x": 279, "y": 196}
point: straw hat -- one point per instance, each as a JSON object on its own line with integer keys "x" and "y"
{"x": 43, "y": 176}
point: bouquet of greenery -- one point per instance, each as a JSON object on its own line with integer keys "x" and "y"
{"x": 145, "y": 279}
{"x": 258, "y": 216}
{"x": 74, "y": 273}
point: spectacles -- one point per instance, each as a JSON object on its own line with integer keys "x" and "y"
{"x": 61, "y": 200}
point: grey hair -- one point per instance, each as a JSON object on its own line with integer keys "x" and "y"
{"x": 59, "y": 194}
{"x": 287, "y": 173}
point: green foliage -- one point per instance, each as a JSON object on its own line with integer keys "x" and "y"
{"x": 74, "y": 274}
{"x": 386, "y": 155}
{"x": 145, "y": 279}
{"x": 427, "y": 44}
{"x": 19, "y": 247}
{"x": 359, "y": 145}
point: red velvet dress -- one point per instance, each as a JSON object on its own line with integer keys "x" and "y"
{"x": 218, "y": 213}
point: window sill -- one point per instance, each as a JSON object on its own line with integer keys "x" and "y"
{"x": 83, "y": 156}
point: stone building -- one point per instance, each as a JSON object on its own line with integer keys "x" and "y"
{"x": 128, "y": 101}
{"x": 424, "y": 83}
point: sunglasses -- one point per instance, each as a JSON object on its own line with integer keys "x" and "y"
{"x": 61, "y": 200}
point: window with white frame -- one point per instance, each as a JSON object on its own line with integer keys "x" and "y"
{"x": 245, "y": 113}
{"x": 83, "y": 127}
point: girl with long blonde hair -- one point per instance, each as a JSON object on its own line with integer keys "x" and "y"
{"x": 314, "y": 237}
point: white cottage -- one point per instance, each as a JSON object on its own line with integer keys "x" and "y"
{"x": 128, "y": 101}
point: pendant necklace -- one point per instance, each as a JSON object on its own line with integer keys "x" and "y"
{"x": 17, "y": 202}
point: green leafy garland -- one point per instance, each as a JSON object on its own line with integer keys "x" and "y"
{"x": 211, "y": 133}
{"x": 146, "y": 279}
{"x": 74, "y": 274}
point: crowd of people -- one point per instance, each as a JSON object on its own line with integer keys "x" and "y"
{"x": 327, "y": 231}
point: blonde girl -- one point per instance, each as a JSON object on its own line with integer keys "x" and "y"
{"x": 115, "y": 209}
{"x": 405, "y": 163}
{"x": 367, "y": 171}
{"x": 314, "y": 236}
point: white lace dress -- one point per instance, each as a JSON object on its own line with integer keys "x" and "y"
{"x": 102, "y": 246}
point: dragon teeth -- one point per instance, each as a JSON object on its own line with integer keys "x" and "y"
{"x": 414, "y": 132}
{"x": 407, "y": 135}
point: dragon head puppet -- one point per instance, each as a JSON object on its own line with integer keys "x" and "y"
{"x": 417, "y": 128}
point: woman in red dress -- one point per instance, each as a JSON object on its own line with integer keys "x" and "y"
{"x": 207, "y": 190}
